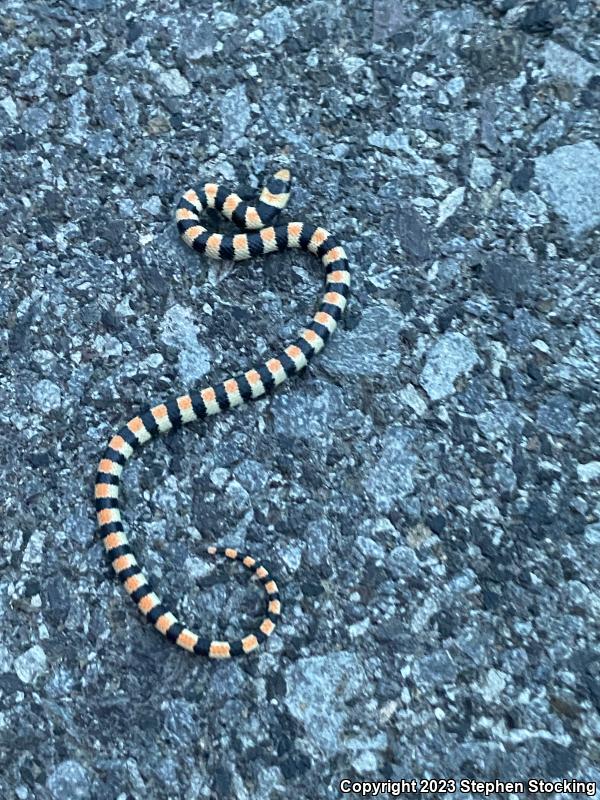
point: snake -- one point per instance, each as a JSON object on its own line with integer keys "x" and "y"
{"x": 259, "y": 237}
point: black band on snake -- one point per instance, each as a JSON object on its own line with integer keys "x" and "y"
{"x": 235, "y": 391}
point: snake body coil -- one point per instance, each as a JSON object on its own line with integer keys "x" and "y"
{"x": 230, "y": 393}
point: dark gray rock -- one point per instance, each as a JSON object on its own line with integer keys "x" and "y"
{"x": 371, "y": 348}
{"x": 278, "y": 24}
{"x": 556, "y": 415}
{"x": 309, "y": 416}
{"x": 569, "y": 178}
{"x": 413, "y": 235}
{"x": 235, "y": 113}
{"x": 452, "y": 355}
{"x": 316, "y": 685}
{"x": 30, "y": 664}
{"x": 69, "y": 779}
{"x": 565, "y": 64}
{"x": 508, "y": 276}
{"x": 390, "y": 478}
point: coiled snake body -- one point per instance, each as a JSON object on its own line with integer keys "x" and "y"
{"x": 230, "y": 393}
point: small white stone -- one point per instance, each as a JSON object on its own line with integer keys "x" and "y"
{"x": 8, "y": 104}
{"x": 422, "y": 80}
{"x": 566, "y": 64}
{"x": 365, "y": 762}
{"x": 437, "y": 185}
{"x": 153, "y": 361}
{"x": 387, "y": 710}
{"x": 493, "y": 686}
{"x": 359, "y": 628}
{"x": 224, "y": 20}
{"x": 124, "y": 309}
{"x": 219, "y": 477}
{"x": 395, "y": 142}
{"x": 174, "y": 82}
{"x": 278, "y": 24}
{"x": 541, "y": 345}
{"x": 153, "y": 205}
{"x": 6, "y": 659}
{"x": 44, "y": 358}
{"x": 35, "y": 548}
{"x": 592, "y": 534}
{"x": 410, "y": 397}
{"x": 126, "y": 207}
{"x": 588, "y": 472}
{"x": 291, "y": 554}
{"x": 450, "y": 204}
{"x": 370, "y": 548}
{"x": 352, "y": 64}
{"x": 108, "y": 345}
{"x": 76, "y": 69}
{"x": 340, "y": 150}
{"x": 30, "y": 664}
{"x": 197, "y": 568}
{"x": 47, "y": 395}
{"x": 482, "y": 173}
{"x": 455, "y": 86}
{"x": 312, "y": 59}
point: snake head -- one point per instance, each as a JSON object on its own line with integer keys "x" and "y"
{"x": 275, "y": 195}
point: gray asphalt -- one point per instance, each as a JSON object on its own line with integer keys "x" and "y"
{"x": 427, "y": 494}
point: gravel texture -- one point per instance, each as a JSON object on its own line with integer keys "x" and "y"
{"x": 428, "y": 494}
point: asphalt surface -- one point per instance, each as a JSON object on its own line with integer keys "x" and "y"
{"x": 427, "y": 494}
